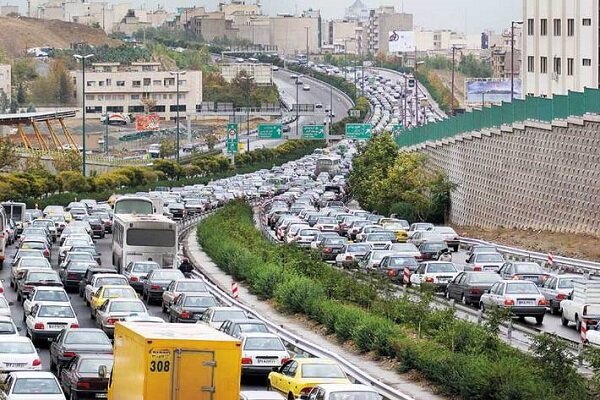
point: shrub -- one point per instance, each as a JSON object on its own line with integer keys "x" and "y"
{"x": 346, "y": 320}
{"x": 298, "y": 294}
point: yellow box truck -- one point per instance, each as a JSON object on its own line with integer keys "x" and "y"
{"x": 174, "y": 362}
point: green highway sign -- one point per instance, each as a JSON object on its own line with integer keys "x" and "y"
{"x": 396, "y": 129}
{"x": 270, "y": 131}
{"x": 316, "y": 132}
{"x": 358, "y": 131}
{"x": 232, "y": 138}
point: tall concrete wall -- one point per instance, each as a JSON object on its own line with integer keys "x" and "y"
{"x": 535, "y": 175}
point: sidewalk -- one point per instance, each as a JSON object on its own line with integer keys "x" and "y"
{"x": 214, "y": 274}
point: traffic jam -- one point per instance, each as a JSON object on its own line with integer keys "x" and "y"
{"x": 77, "y": 277}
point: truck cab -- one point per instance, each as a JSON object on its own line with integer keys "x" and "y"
{"x": 582, "y": 305}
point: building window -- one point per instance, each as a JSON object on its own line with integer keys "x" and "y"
{"x": 136, "y": 84}
{"x": 147, "y": 81}
{"x": 173, "y": 108}
{"x": 543, "y": 65}
{"x": 100, "y": 97}
{"x": 557, "y": 27}
{"x": 557, "y": 65}
{"x": 570, "y": 27}
{"x": 108, "y": 82}
{"x": 570, "y": 66}
{"x": 587, "y": 22}
{"x": 91, "y": 83}
{"x": 136, "y": 109}
{"x": 530, "y": 64}
{"x": 587, "y": 62}
{"x": 543, "y": 27}
{"x": 120, "y": 83}
{"x": 135, "y": 97}
{"x": 116, "y": 109}
{"x": 157, "y": 82}
{"x": 169, "y": 81}
{"x": 530, "y": 27}
{"x": 159, "y": 108}
{"x": 89, "y": 97}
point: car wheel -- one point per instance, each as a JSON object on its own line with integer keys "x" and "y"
{"x": 563, "y": 320}
{"x": 539, "y": 319}
{"x": 92, "y": 316}
{"x": 72, "y": 395}
{"x": 481, "y": 306}
{"x": 577, "y": 324}
{"x": 291, "y": 396}
{"x": 52, "y": 365}
{"x": 19, "y": 297}
{"x": 447, "y": 295}
{"x": 164, "y": 308}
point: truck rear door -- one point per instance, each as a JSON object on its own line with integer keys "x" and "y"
{"x": 193, "y": 375}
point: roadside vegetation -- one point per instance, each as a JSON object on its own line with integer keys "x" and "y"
{"x": 460, "y": 359}
{"x": 36, "y": 185}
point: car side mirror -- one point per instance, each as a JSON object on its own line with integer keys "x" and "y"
{"x": 102, "y": 371}
{"x": 11, "y": 303}
{"x": 19, "y": 329}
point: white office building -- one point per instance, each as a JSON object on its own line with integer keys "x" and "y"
{"x": 560, "y": 46}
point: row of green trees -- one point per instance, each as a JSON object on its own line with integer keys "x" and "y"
{"x": 461, "y": 359}
{"x": 389, "y": 182}
{"x": 241, "y": 91}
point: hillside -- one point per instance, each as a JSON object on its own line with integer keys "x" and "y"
{"x": 20, "y": 33}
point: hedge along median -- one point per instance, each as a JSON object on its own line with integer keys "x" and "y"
{"x": 461, "y": 359}
{"x": 40, "y": 187}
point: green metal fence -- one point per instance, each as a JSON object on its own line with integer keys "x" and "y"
{"x": 575, "y": 104}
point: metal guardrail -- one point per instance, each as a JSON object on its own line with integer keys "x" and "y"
{"x": 354, "y": 371}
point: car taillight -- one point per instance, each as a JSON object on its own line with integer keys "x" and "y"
{"x": 1, "y": 290}
{"x": 327, "y": 250}
{"x": 542, "y": 302}
{"x": 516, "y": 278}
{"x": 83, "y": 385}
{"x": 74, "y": 325}
{"x": 284, "y": 360}
{"x": 561, "y": 296}
{"x": 36, "y": 362}
{"x": 349, "y": 258}
{"x": 392, "y": 272}
{"x": 133, "y": 279}
{"x": 154, "y": 286}
{"x": 69, "y": 354}
{"x": 38, "y": 325}
{"x": 305, "y": 391}
{"x": 72, "y": 276}
{"x": 544, "y": 278}
{"x": 429, "y": 279}
{"x": 185, "y": 315}
{"x": 509, "y": 302}
{"x": 111, "y": 321}
{"x": 246, "y": 360}
{"x": 475, "y": 291}
{"x": 477, "y": 267}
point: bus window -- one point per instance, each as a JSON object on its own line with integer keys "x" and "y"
{"x": 133, "y": 205}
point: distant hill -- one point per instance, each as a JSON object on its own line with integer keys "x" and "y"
{"x": 20, "y": 33}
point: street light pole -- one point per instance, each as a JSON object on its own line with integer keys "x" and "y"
{"x": 307, "y": 57}
{"x": 297, "y": 105}
{"x": 177, "y": 74}
{"x": 83, "y": 84}
{"x": 512, "y": 58}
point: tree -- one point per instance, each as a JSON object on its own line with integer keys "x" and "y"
{"x": 68, "y": 161}
{"x": 73, "y": 181}
{"x": 31, "y": 108}
{"x": 170, "y": 168}
{"x": 4, "y": 103}
{"x": 149, "y": 104}
{"x": 8, "y": 154}
{"x": 57, "y": 87}
{"x": 167, "y": 148}
{"x": 211, "y": 141}
{"x": 14, "y": 106}
{"x": 20, "y": 93}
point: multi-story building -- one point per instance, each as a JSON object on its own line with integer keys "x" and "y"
{"x": 262, "y": 74}
{"x": 443, "y": 39}
{"x": 380, "y": 23}
{"x": 141, "y": 87}
{"x": 239, "y": 7}
{"x": 357, "y": 11}
{"x": 502, "y": 53}
{"x": 136, "y": 20}
{"x": 293, "y": 34}
{"x": 560, "y": 46}
{"x": 340, "y": 34}
{"x": 212, "y": 25}
{"x": 5, "y": 79}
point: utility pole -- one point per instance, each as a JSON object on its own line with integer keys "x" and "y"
{"x": 83, "y": 85}
{"x": 416, "y": 90}
{"x": 512, "y": 58}
{"x": 307, "y": 50}
{"x": 177, "y": 75}
{"x": 297, "y": 105}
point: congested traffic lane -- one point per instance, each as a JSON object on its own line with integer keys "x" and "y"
{"x": 104, "y": 247}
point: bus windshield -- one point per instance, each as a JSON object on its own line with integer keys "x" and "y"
{"x": 134, "y": 206}
{"x": 151, "y": 237}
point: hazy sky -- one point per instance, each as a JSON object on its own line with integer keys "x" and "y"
{"x": 472, "y": 16}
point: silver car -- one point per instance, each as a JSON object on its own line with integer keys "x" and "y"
{"x": 113, "y": 310}
{"x": 180, "y": 286}
{"x": 485, "y": 262}
{"x": 556, "y": 289}
{"x": 136, "y": 272}
{"x": 522, "y": 298}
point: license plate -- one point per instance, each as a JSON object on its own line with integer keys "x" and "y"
{"x": 266, "y": 361}
{"x": 13, "y": 365}
{"x": 101, "y": 395}
{"x": 526, "y": 302}
{"x": 54, "y": 326}
{"x": 443, "y": 280}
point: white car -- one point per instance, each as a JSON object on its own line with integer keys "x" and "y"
{"x": 74, "y": 240}
{"x": 46, "y": 320}
{"x": 7, "y": 327}
{"x": 260, "y": 395}
{"x": 522, "y": 298}
{"x": 215, "y": 316}
{"x": 261, "y": 352}
{"x": 425, "y": 236}
{"x": 102, "y": 280}
{"x": 335, "y": 391}
{"x": 44, "y": 294}
{"x": 17, "y": 353}
{"x": 404, "y": 249}
{"x": 306, "y": 87}
{"x": 5, "y": 310}
{"x": 437, "y": 273}
{"x": 32, "y": 385}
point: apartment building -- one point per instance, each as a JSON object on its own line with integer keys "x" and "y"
{"x": 380, "y": 23}
{"x": 5, "y": 79}
{"x": 112, "y": 87}
{"x": 291, "y": 33}
{"x": 560, "y": 46}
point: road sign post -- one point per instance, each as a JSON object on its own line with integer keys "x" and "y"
{"x": 270, "y": 131}
{"x": 313, "y": 132}
{"x": 232, "y": 138}
{"x": 358, "y": 131}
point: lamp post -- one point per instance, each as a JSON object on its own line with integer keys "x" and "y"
{"x": 177, "y": 74}
{"x": 454, "y": 48}
{"x": 247, "y": 79}
{"x": 297, "y": 105}
{"x": 307, "y": 58}
{"x": 512, "y": 58}
{"x": 83, "y": 84}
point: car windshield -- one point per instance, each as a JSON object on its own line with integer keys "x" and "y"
{"x": 441, "y": 267}
{"x": 445, "y": 230}
{"x": 484, "y": 249}
{"x": 35, "y": 262}
{"x": 529, "y": 268}
{"x": 322, "y": 371}
{"x": 91, "y": 365}
{"x": 335, "y": 241}
{"x": 433, "y": 246}
{"x": 566, "y": 283}
{"x": 145, "y": 267}
{"x": 394, "y": 226}
{"x": 86, "y": 337}
{"x": 402, "y": 262}
{"x": 191, "y": 287}
{"x": 200, "y": 301}
{"x": 51, "y": 295}
{"x": 36, "y": 386}
{"x": 79, "y": 266}
{"x": 309, "y": 232}
{"x": 358, "y": 248}
{"x": 378, "y": 255}
{"x": 42, "y": 277}
{"x": 8, "y": 347}
{"x": 81, "y": 257}
{"x": 489, "y": 258}
{"x": 29, "y": 253}
{"x": 261, "y": 328}
{"x": 76, "y": 242}
{"x": 404, "y": 247}
{"x": 482, "y": 277}
{"x": 264, "y": 344}
{"x": 33, "y": 245}
{"x": 327, "y": 220}
{"x": 127, "y": 306}
{"x": 7, "y": 328}
{"x": 224, "y": 315}
{"x": 522, "y": 288}
{"x": 378, "y": 237}
{"x": 349, "y": 395}
{"x": 119, "y": 280}
{"x": 57, "y": 218}
{"x": 119, "y": 292}
{"x": 56, "y": 312}
{"x": 167, "y": 274}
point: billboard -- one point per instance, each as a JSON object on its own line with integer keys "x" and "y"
{"x": 401, "y": 42}
{"x": 490, "y": 91}
{"x": 150, "y": 122}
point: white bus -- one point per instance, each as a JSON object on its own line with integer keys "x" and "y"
{"x": 16, "y": 212}
{"x": 133, "y": 205}
{"x": 154, "y": 151}
{"x": 144, "y": 238}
